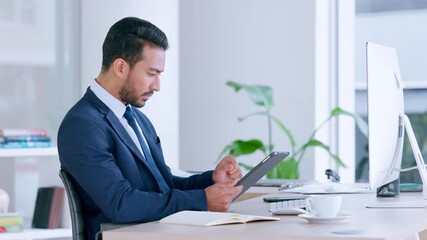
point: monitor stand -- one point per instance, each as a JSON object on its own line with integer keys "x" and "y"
{"x": 415, "y": 150}
{"x": 392, "y": 189}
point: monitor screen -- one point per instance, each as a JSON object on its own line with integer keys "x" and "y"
{"x": 385, "y": 105}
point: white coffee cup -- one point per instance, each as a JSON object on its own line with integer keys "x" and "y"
{"x": 324, "y": 206}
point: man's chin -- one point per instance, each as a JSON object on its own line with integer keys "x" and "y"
{"x": 139, "y": 104}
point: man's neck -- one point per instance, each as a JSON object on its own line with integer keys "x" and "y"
{"x": 109, "y": 84}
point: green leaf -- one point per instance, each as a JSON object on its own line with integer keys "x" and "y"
{"x": 360, "y": 122}
{"x": 260, "y": 95}
{"x": 241, "y": 119}
{"x": 286, "y": 169}
{"x": 317, "y": 143}
{"x": 234, "y": 85}
{"x": 336, "y": 112}
{"x": 287, "y": 133}
{"x": 241, "y": 147}
{"x": 279, "y": 123}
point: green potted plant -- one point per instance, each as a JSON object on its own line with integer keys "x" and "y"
{"x": 287, "y": 169}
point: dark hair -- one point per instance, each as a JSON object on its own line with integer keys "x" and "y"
{"x": 126, "y": 39}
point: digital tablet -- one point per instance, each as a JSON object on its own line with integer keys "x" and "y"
{"x": 260, "y": 170}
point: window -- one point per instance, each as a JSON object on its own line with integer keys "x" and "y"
{"x": 398, "y": 25}
{"x": 39, "y": 75}
{"x": 39, "y": 81}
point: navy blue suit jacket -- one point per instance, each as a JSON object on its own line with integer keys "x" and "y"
{"x": 112, "y": 177}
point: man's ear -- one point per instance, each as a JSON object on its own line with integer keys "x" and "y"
{"x": 121, "y": 68}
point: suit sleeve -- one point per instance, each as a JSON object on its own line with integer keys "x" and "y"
{"x": 198, "y": 181}
{"x": 86, "y": 151}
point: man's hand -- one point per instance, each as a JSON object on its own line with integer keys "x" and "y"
{"x": 227, "y": 171}
{"x": 220, "y": 195}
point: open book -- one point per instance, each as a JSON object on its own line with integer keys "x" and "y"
{"x": 204, "y": 218}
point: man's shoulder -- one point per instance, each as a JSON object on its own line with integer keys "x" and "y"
{"x": 88, "y": 106}
{"x": 82, "y": 109}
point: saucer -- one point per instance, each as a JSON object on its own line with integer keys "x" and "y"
{"x": 314, "y": 219}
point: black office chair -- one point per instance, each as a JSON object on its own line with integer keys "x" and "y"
{"x": 77, "y": 220}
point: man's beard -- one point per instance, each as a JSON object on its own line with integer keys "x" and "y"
{"x": 127, "y": 94}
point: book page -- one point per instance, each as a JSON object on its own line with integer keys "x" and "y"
{"x": 205, "y": 218}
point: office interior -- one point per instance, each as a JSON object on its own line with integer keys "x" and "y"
{"x": 312, "y": 53}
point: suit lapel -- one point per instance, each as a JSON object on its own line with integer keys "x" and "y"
{"x": 124, "y": 136}
{"x": 116, "y": 125}
{"x": 152, "y": 144}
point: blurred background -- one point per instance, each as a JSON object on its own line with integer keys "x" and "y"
{"x": 312, "y": 53}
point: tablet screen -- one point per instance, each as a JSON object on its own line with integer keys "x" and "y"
{"x": 260, "y": 170}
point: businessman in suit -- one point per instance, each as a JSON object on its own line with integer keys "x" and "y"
{"x": 112, "y": 151}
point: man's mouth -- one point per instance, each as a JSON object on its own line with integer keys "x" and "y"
{"x": 146, "y": 96}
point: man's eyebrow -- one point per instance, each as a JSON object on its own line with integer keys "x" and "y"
{"x": 156, "y": 70}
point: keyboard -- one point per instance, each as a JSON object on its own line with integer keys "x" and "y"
{"x": 288, "y": 207}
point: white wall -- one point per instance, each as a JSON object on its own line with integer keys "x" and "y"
{"x": 253, "y": 42}
{"x": 97, "y": 16}
{"x": 284, "y": 44}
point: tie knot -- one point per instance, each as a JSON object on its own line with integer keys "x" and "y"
{"x": 128, "y": 114}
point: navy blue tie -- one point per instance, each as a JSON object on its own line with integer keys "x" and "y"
{"x": 148, "y": 157}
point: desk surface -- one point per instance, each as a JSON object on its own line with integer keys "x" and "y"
{"x": 370, "y": 223}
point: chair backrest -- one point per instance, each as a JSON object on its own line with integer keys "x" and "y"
{"x": 77, "y": 220}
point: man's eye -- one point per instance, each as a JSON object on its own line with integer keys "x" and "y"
{"x": 151, "y": 74}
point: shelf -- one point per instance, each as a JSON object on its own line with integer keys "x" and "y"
{"x": 30, "y": 234}
{"x": 28, "y": 152}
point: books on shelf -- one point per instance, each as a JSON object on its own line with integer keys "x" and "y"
{"x": 48, "y": 208}
{"x": 25, "y": 144}
{"x": 20, "y": 132}
{"x": 11, "y": 222}
{"x": 205, "y": 218}
{"x": 24, "y": 138}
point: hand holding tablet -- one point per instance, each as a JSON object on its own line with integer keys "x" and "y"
{"x": 260, "y": 170}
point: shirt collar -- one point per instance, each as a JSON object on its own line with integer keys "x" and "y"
{"x": 117, "y": 107}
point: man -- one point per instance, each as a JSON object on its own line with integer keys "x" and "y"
{"x": 112, "y": 151}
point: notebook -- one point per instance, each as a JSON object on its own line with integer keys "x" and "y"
{"x": 205, "y": 218}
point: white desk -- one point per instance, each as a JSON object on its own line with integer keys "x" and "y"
{"x": 387, "y": 224}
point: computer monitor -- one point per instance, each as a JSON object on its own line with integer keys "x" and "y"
{"x": 387, "y": 121}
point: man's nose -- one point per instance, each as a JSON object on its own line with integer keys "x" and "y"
{"x": 156, "y": 84}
